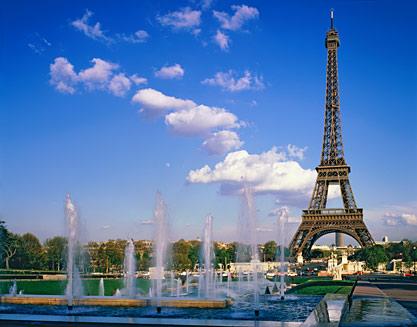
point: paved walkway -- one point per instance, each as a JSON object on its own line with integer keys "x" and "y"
{"x": 400, "y": 291}
{"x": 368, "y": 289}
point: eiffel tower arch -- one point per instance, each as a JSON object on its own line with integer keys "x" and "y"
{"x": 318, "y": 220}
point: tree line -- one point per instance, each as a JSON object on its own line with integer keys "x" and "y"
{"x": 26, "y": 251}
{"x": 406, "y": 251}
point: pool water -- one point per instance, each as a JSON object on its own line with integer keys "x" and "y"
{"x": 293, "y": 308}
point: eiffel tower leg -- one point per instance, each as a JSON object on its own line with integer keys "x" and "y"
{"x": 319, "y": 198}
{"x": 347, "y": 194}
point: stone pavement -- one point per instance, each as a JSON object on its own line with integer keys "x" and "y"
{"x": 401, "y": 291}
{"x": 368, "y": 289}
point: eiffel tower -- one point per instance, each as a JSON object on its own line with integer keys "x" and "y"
{"x": 318, "y": 220}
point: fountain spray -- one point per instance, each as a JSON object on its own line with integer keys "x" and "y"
{"x": 13, "y": 288}
{"x": 101, "y": 287}
{"x": 160, "y": 244}
{"x": 208, "y": 254}
{"x": 130, "y": 269}
{"x": 249, "y": 221}
{"x": 281, "y": 221}
{"x": 74, "y": 287}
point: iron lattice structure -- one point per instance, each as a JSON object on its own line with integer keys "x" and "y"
{"x": 317, "y": 220}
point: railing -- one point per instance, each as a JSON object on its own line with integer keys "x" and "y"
{"x": 332, "y": 211}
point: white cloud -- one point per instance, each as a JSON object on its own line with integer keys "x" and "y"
{"x": 185, "y": 117}
{"x": 222, "y": 40}
{"x": 63, "y": 76}
{"x": 200, "y": 120}
{"x": 96, "y": 33}
{"x": 35, "y": 49}
{"x": 170, "y": 72}
{"x": 222, "y": 142}
{"x": 242, "y": 14}
{"x": 403, "y": 219}
{"x": 38, "y": 44}
{"x": 296, "y": 152}
{"x": 185, "y": 18}
{"x": 119, "y": 85}
{"x": 268, "y": 172}
{"x": 98, "y": 76}
{"x": 92, "y": 31}
{"x": 139, "y": 36}
{"x": 101, "y": 76}
{"x": 153, "y": 101}
{"x": 205, "y": 4}
{"x": 142, "y": 35}
{"x": 227, "y": 81}
{"x": 138, "y": 80}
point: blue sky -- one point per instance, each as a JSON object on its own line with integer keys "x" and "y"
{"x": 112, "y": 101}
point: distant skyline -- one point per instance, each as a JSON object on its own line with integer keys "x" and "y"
{"x": 113, "y": 101}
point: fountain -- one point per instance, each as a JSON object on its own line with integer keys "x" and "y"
{"x": 179, "y": 283}
{"x": 208, "y": 255}
{"x": 200, "y": 281}
{"x": 101, "y": 287}
{"x": 247, "y": 226}
{"x": 130, "y": 269}
{"x": 281, "y": 221}
{"x": 172, "y": 279}
{"x": 13, "y": 289}
{"x": 229, "y": 279}
{"x": 160, "y": 245}
{"x": 74, "y": 285}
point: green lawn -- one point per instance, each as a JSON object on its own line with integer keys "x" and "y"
{"x": 323, "y": 290}
{"x": 304, "y": 279}
{"x": 49, "y": 287}
{"x": 322, "y": 287}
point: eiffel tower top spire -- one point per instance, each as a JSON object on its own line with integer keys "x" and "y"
{"x": 331, "y": 19}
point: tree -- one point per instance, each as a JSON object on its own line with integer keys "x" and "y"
{"x": 29, "y": 254}
{"x": 317, "y": 254}
{"x": 231, "y": 251}
{"x": 11, "y": 246}
{"x": 110, "y": 255}
{"x": 144, "y": 254}
{"x": 55, "y": 252}
{"x": 414, "y": 255}
{"x": 180, "y": 259}
{"x": 194, "y": 252}
{"x": 3, "y": 237}
{"x": 270, "y": 251}
{"x": 145, "y": 261}
{"x": 225, "y": 254}
{"x": 8, "y": 244}
{"x": 372, "y": 256}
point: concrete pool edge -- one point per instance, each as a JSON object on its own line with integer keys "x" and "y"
{"x": 13, "y": 320}
{"x": 118, "y": 301}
